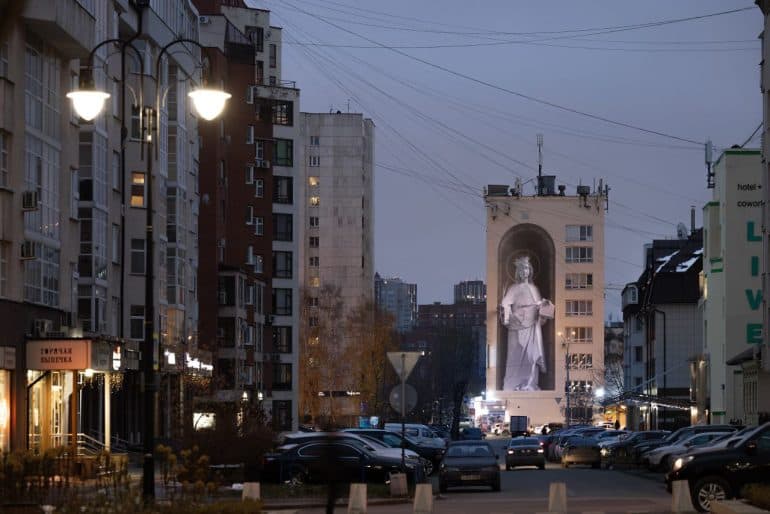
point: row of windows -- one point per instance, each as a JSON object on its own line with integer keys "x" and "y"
{"x": 579, "y": 308}
{"x": 580, "y": 361}
{"x": 579, "y": 254}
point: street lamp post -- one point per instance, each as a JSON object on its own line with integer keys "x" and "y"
{"x": 88, "y": 103}
{"x": 565, "y": 342}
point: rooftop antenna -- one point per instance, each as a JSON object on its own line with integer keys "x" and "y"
{"x": 348, "y": 105}
{"x": 709, "y": 148}
{"x": 539, "y": 164}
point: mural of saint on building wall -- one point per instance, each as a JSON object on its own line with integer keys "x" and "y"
{"x": 523, "y": 311}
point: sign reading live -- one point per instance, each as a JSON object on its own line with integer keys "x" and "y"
{"x": 72, "y": 354}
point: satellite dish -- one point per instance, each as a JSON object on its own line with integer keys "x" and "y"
{"x": 681, "y": 231}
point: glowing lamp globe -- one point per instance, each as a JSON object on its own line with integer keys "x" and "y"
{"x": 88, "y": 103}
{"x": 209, "y": 102}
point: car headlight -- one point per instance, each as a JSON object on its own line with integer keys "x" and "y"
{"x": 681, "y": 461}
{"x": 510, "y": 452}
{"x": 539, "y": 450}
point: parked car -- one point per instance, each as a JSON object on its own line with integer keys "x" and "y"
{"x": 472, "y": 434}
{"x": 621, "y": 452}
{"x": 312, "y": 461}
{"x": 581, "y": 450}
{"x": 524, "y": 451}
{"x": 718, "y": 474}
{"x": 418, "y": 432}
{"x": 610, "y": 436}
{"x": 293, "y": 438}
{"x": 662, "y": 457}
{"x": 430, "y": 453}
{"x": 468, "y": 463}
{"x": 676, "y": 436}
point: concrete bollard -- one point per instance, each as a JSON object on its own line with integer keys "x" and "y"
{"x": 398, "y": 484}
{"x": 251, "y": 491}
{"x": 357, "y": 499}
{"x": 423, "y": 499}
{"x": 680, "y": 497}
{"x": 557, "y": 497}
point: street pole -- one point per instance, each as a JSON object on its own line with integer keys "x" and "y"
{"x": 403, "y": 412}
{"x": 566, "y": 366}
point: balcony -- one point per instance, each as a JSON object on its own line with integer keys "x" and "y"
{"x": 65, "y": 24}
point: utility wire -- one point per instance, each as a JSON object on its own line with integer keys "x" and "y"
{"x": 752, "y": 135}
{"x": 506, "y": 90}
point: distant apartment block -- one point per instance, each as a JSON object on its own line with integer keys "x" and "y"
{"x": 399, "y": 298}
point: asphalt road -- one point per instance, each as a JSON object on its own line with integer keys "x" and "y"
{"x": 525, "y": 490}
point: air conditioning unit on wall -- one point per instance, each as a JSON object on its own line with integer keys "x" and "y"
{"x": 30, "y": 200}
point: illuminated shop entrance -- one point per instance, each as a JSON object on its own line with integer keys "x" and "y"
{"x": 67, "y": 382}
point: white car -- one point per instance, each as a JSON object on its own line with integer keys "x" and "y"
{"x": 664, "y": 456}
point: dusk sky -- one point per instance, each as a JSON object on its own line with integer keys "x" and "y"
{"x": 458, "y": 92}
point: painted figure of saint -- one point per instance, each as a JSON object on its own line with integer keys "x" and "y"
{"x": 523, "y": 311}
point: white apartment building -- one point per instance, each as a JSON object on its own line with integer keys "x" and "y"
{"x": 563, "y": 237}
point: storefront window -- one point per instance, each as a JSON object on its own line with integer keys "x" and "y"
{"x": 5, "y": 410}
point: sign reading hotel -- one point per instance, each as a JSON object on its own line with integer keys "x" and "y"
{"x": 58, "y": 354}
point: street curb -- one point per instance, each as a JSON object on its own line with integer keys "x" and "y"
{"x": 320, "y": 503}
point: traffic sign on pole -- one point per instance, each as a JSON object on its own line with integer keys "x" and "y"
{"x": 403, "y": 362}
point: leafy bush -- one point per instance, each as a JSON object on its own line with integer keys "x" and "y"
{"x": 758, "y": 495}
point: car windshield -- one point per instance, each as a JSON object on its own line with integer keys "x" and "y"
{"x": 462, "y": 450}
{"x": 524, "y": 441}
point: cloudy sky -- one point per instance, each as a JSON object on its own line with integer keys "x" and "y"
{"x": 459, "y": 91}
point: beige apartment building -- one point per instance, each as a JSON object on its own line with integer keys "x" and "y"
{"x": 545, "y": 330}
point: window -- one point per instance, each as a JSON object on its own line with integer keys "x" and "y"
{"x": 282, "y": 418}
{"x": 249, "y": 94}
{"x": 312, "y": 321}
{"x": 638, "y": 383}
{"x": 315, "y": 140}
{"x": 259, "y": 264}
{"x": 314, "y": 240}
{"x": 138, "y": 261}
{"x": 314, "y": 221}
{"x": 284, "y": 152}
{"x": 260, "y": 72}
{"x": 638, "y": 356}
{"x": 314, "y": 161}
{"x": 580, "y": 360}
{"x": 283, "y": 113}
{"x": 282, "y": 339}
{"x": 259, "y": 226}
{"x": 282, "y": 301}
{"x": 250, "y": 135}
{"x": 315, "y": 282}
{"x": 4, "y": 160}
{"x": 4, "y": 59}
{"x": 312, "y": 301}
{"x": 116, "y": 244}
{"x": 282, "y": 227}
{"x": 580, "y": 233}
{"x": 136, "y": 123}
{"x": 283, "y": 190}
{"x": 273, "y": 57}
{"x": 41, "y": 276}
{"x": 313, "y": 181}
{"x": 259, "y": 150}
{"x": 579, "y": 281}
{"x": 315, "y": 201}
{"x": 137, "y": 322}
{"x": 282, "y": 264}
{"x": 580, "y": 334}
{"x": 250, "y": 174}
{"x": 259, "y": 188}
{"x": 137, "y": 189}
{"x": 249, "y": 214}
{"x": 116, "y": 179}
{"x": 272, "y": 80}
{"x": 577, "y": 254}
{"x": 314, "y": 261}
{"x": 579, "y": 308}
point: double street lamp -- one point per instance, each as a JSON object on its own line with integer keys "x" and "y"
{"x": 565, "y": 342}
{"x": 88, "y": 102}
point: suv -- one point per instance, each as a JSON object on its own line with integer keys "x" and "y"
{"x": 718, "y": 474}
{"x": 677, "y": 436}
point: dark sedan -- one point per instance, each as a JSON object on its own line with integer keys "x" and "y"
{"x": 524, "y": 451}
{"x": 469, "y": 463}
{"x": 621, "y": 452}
{"x": 431, "y": 454}
{"x": 312, "y": 462}
{"x": 581, "y": 450}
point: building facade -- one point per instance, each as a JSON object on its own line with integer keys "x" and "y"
{"x": 473, "y": 291}
{"x": 732, "y": 315}
{"x": 336, "y": 253}
{"x": 249, "y": 272}
{"x": 528, "y": 363}
{"x": 398, "y": 298}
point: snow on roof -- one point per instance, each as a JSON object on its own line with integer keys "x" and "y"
{"x": 685, "y": 265}
{"x": 664, "y": 261}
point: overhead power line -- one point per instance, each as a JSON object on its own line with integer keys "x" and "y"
{"x": 503, "y": 89}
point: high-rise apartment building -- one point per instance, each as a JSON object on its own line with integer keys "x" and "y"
{"x": 335, "y": 196}
{"x": 73, "y": 231}
{"x": 470, "y": 291}
{"x": 249, "y": 272}
{"x": 398, "y": 298}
